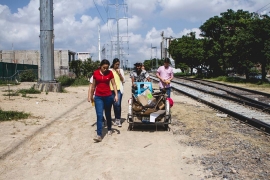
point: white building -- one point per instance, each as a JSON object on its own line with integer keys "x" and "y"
{"x": 83, "y": 55}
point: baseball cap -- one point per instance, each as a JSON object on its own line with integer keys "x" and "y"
{"x": 138, "y": 64}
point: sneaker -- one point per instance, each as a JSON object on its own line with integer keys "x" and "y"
{"x": 98, "y": 139}
{"x": 114, "y": 122}
{"x": 109, "y": 133}
{"x": 118, "y": 122}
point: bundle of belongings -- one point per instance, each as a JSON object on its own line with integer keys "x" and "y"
{"x": 148, "y": 102}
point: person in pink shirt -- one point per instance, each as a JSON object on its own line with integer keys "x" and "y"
{"x": 165, "y": 75}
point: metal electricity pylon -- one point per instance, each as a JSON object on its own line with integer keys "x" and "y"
{"x": 117, "y": 22}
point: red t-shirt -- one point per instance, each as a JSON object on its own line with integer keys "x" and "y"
{"x": 103, "y": 82}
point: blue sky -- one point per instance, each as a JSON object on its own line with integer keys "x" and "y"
{"x": 76, "y": 23}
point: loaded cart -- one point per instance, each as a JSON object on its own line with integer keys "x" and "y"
{"x": 148, "y": 107}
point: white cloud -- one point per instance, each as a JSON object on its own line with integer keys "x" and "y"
{"x": 192, "y": 10}
{"x": 76, "y": 23}
{"x": 143, "y": 8}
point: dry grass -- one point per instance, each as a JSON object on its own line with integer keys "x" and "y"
{"x": 226, "y": 138}
{"x": 201, "y": 122}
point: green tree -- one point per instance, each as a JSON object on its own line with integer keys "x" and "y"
{"x": 76, "y": 67}
{"x": 187, "y": 50}
{"x": 83, "y": 68}
{"x": 227, "y": 35}
{"x": 89, "y": 66}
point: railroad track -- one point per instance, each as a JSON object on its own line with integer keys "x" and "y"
{"x": 253, "y": 112}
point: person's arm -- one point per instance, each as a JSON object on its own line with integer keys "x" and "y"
{"x": 92, "y": 90}
{"x": 158, "y": 75}
{"x": 171, "y": 77}
{"x": 133, "y": 81}
{"x": 132, "y": 78}
{"x": 147, "y": 76}
{"x": 122, "y": 75}
{"x": 115, "y": 90}
{"x": 160, "y": 78}
{"x": 118, "y": 71}
{"x": 89, "y": 92}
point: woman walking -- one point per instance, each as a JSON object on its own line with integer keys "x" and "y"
{"x": 103, "y": 96}
{"x": 119, "y": 80}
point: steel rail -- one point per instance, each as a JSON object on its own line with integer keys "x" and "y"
{"x": 251, "y": 102}
{"x": 240, "y": 88}
{"x": 242, "y": 100}
{"x": 251, "y": 121}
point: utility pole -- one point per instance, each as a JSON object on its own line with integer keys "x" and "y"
{"x": 155, "y": 56}
{"x": 47, "y": 82}
{"x": 46, "y": 41}
{"x": 99, "y": 53}
{"x": 117, "y": 20}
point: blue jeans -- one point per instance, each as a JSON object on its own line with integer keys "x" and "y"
{"x": 168, "y": 91}
{"x": 103, "y": 102}
{"x": 117, "y": 105}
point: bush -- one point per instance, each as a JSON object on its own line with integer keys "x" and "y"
{"x": 27, "y": 76}
{"x": 65, "y": 80}
{"x": 80, "y": 82}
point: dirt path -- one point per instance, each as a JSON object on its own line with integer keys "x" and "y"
{"x": 62, "y": 146}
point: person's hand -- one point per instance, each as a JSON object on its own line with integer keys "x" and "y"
{"x": 92, "y": 99}
{"x": 115, "y": 98}
{"x": 118, "y": 71}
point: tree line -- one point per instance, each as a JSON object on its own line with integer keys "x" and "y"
{"x": 83, "y": 68}
{"x": 236, "y": 41}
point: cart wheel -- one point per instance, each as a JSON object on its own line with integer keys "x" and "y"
{"x": 166, "y": 127}
{"x": 130, "y": 127}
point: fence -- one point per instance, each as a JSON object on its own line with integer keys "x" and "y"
{"x": 12, "y": 71}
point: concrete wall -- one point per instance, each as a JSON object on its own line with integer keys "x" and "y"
{"x": 82, "y": 55}
{"x": 61, "y": 59}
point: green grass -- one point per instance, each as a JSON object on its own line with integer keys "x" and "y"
{"x": 29, "y": 91}
{"x": 12, "y": 115}
{"x": 67, "y": 81}
{"x": 12, "y": 94}
{"x": 4, "y": 83}
{"x": 229, "y": 79}
{"x": 180, "y": 74}
{"x": 241, "y": 80}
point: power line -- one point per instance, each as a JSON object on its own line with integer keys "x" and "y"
{"x": 98, "y": 11}
{"x": 262, "y": 8}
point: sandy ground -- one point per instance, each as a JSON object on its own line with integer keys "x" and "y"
{"x": 56, "y": 142}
